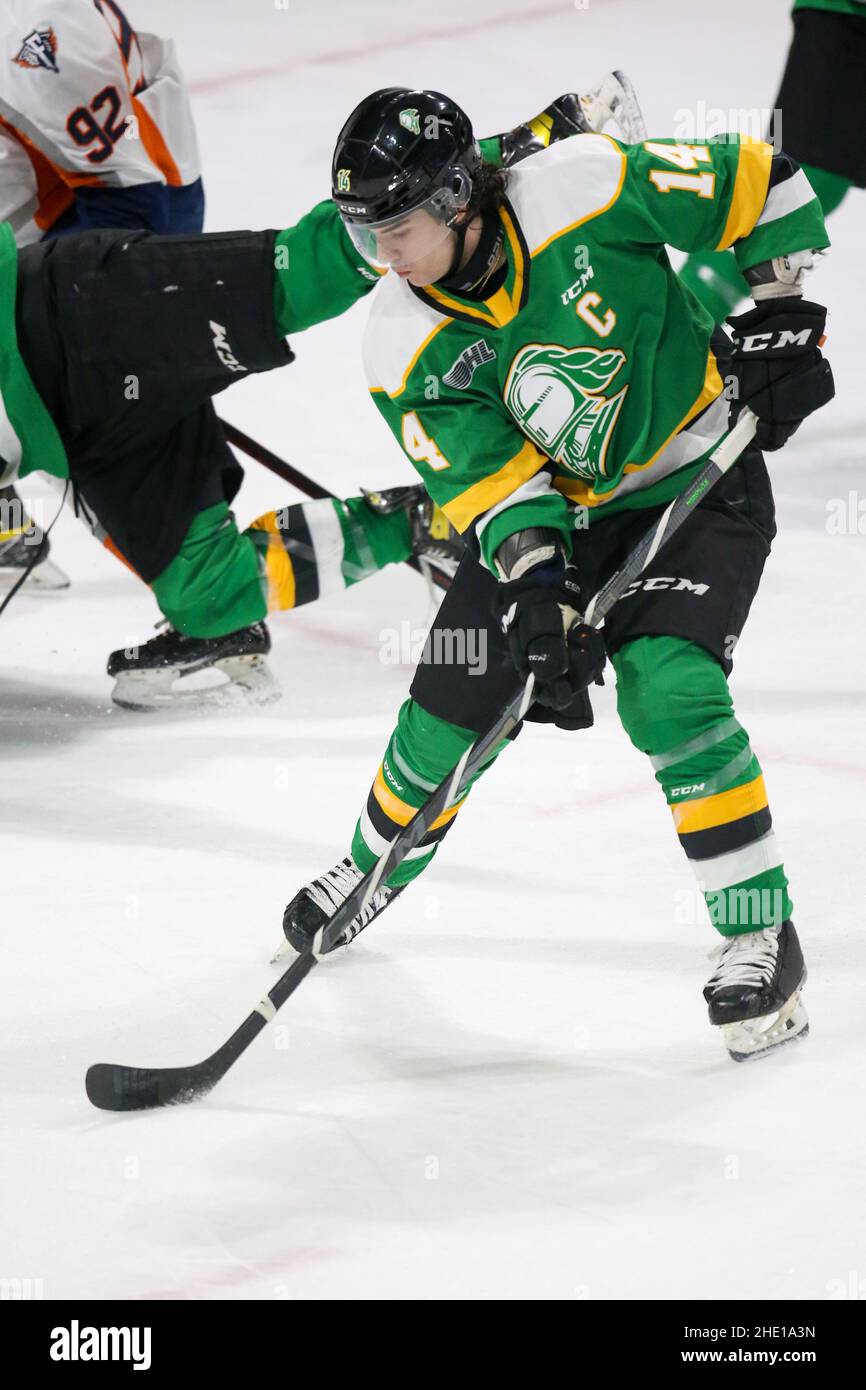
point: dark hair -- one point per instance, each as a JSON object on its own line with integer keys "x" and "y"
{"x": 489, "y": 190}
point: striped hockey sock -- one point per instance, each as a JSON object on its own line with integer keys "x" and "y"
{"x": 675, "y": 704}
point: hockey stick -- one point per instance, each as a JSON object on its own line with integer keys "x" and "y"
{"x": 114, "y": 1087}
{"x": 290, "y": 474}
{"x": 287, "y": 471}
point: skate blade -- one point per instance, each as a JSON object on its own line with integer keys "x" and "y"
{"x": 615, "y": 99}
{"x": 248, "y": 681}
{"x": 757, "y": 1037}
{"x": 44, "y": 578}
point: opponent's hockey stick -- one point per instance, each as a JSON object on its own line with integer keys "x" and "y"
{"x": 290, "y": 474}
{"x": 287, "y": 471}
{"x": 114, "y": 1087}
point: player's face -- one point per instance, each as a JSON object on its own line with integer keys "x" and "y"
{"x": 419, "y": 249}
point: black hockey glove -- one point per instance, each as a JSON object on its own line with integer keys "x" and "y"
{"x": 545, "y": 635}
{"x": 781, "y": 373}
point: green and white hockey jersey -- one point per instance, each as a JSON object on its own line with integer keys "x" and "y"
{"x": 587, "y": 378}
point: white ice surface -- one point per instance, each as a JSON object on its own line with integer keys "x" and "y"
{"x": 508, "y": 1088}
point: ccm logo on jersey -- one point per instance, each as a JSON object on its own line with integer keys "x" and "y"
{"x": 223, "y": 351}
{"x": 659, "y": 581}
{"x": 762, "y": 342}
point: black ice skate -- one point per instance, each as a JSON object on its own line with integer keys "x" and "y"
{"x": 24, "y": 547}
{"x": 754, "y": 992}
{"x": 433, "y": 539}
{"x": 313, "y": 907}
{"x": 172, "y": 670}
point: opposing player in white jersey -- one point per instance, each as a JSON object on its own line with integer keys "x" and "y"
{"x": 96, "y": 130}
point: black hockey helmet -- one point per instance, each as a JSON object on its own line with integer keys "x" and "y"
{"x": 401, "y": 151}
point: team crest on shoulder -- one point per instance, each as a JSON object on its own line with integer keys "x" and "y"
{"x": 557, "y": 396}
{"x": 39, "y": 49}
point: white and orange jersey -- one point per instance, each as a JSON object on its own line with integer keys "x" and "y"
{"x": 85, "y": 101}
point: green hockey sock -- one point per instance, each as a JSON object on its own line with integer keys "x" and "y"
{"x": 213, "y": 585}
{"x": 371, "y": 540}
{"x": 713, "y": 277}
{"x": 674, "y": 703}
{"x": 421, "y": 751}
{"x": 312, "y": 549}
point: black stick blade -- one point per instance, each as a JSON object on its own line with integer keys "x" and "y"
{"x": 112, "y": 1087}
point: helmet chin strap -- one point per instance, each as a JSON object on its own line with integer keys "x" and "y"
{"x": 461, "y": 229}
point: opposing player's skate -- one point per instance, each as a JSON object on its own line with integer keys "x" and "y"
{"x": 313, "y": 907}
{"x": 24, "y": 548}
{"x": 172, "y": 670}
{"x": 432, "y": 537}
{"x": 754, "y": 992}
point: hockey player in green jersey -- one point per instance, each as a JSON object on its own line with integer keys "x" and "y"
{"x": 112, "y": 389}
{"x": 819, "y": 116}
{"x": 555, "y": 386}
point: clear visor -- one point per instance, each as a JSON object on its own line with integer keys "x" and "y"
{"x": 403, "y": 241}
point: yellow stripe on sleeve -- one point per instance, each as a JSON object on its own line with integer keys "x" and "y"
{"x": 750, "y": 190}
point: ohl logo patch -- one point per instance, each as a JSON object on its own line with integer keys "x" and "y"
{"x": 39, "y": 50}
{"x": 557, "y": 396}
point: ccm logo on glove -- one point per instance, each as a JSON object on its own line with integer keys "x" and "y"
{"x": 779, "y": 368}
{"x": 761, "y": 342}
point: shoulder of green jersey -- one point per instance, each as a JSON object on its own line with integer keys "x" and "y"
{"x": 564, "y": 185}
{"x": 398, "y": 328}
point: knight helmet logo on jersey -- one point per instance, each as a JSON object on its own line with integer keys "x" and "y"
{"x": 39, "y": 49}
{"x": 556, "y": 395}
